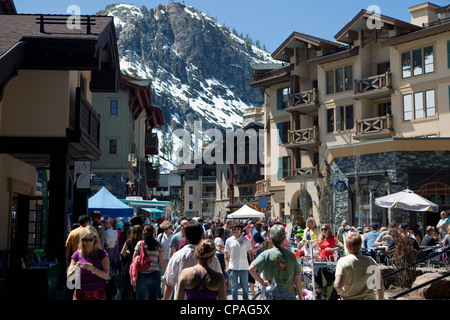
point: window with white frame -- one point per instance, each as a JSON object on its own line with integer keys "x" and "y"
{"x": 419, "y": 105}
{"x": 417, "y": 62}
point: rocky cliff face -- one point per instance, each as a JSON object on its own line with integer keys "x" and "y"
{"x": 199, "y": 69}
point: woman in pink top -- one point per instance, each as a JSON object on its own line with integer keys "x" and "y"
{"x": 93, "y": 262}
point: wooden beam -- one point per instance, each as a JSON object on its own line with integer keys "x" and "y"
{"x": 288, "y": 52}
{"x": 387, "y": 26}
{"x": 362, "y": 38}
{"x": 352, "y": 35}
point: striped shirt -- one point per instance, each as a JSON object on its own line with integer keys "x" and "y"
{"x": 153, "y": 256}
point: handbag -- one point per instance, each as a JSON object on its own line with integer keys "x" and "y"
{"x": 139, "y": 263}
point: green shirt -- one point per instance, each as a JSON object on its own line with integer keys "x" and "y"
{"x": 280, "y": 264}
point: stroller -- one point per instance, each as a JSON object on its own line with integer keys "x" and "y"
{"x": 323, "y": 283}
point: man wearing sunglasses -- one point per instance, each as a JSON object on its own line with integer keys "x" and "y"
{"x": 236, "y": 249}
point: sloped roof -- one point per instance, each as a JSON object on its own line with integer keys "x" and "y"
{"x": 60, "y": 48}
{"x": 359, "y": 22}
{"x": 298, "y": 40}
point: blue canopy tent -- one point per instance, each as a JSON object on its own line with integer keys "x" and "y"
{"x": 108, "y": 205}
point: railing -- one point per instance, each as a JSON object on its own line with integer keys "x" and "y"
{"x": 245, "y": 178}
{"x": 151, "y": 143}
{"x": 152, "y": 172}
{"x": 305, "y": 97}
{"x": 208, "y": 194}
{"x": 87, "y": 120}
{"x": 88, "y": 21}
{"x": 244, "y": 199}
{"x": 374, "y": 125}
{"x": 305, "y": 171}
{"x": 430, "y": 256}
{"x": 262, "y": 186}
{"x": 381, "y": 81}
{"x": 303, "y": 136}
{"x": 209, "y": 178}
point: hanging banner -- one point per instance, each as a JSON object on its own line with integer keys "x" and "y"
{"x": 44, "y": 190}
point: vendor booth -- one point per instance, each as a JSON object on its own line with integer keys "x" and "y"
{"x": 155, "y": 209}
{"x": 108, "y": 205}
{"x": 245, "y": 212}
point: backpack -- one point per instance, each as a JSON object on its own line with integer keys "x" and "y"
{"x": 139, "y": 263}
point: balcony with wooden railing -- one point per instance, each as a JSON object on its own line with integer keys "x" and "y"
{"x": 303, "y": 138}
{"x": 245, "y": 178}
{"x": 84, "y": 133}
{"x": 375, "y": 87}
{"x": 152, "y": 175}
{"x": 304, "y": 102}
{"x": 262, "y": 187}
{"x": 303, "y": 173}
{"x": 151, "y": 143}
{"x": 374, "y": 128}
{"x": 308, "y": 171}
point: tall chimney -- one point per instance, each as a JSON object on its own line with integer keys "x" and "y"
{"x": 423, "y": 13}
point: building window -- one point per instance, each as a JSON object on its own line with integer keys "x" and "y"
{"x": 283, "y": 132}
{"x": 113, "y": 146}
{"x": 448, "y": 54}
{"x": 282, "y": 98}
{"x": 419, "y": 105}
{"x": 417, "y": 62}
{"x": 191, "y": 190}
{"x": 191, "y": 205}
{"x": 344, "y": 118}
{"x": 330, "y": 120}
{"x": 339, "y": 80}
{"x": 113, "y": 107}
{"x": 284, "y": 167}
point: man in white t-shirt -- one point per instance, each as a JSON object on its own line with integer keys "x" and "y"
{"x": 185, "y": 258}
{"x": 358, "y": 275}
{"x": 236, "y": 262}
{"x": 443, "y": 225}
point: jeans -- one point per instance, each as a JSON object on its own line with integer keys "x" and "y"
{"x": 243, "y": 276}
{"x": 280, "y": 294}
{"x": 148, "y": 286}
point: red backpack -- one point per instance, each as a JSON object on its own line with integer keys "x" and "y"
{"x": 139, "y": 263}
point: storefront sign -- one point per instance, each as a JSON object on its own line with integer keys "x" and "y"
{"x": 340, "y": 186}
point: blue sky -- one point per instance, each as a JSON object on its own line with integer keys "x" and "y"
{"x": 268, "y": 21}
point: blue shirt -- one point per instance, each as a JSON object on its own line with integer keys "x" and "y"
{"x": 370, "y": 238}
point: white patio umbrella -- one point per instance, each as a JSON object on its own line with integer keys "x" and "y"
{"x": 407, "y": 200}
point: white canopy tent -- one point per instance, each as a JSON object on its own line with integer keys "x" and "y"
{"x": 245, "y": 212}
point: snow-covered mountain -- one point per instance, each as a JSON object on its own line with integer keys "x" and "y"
{"x": 199, "y": 69}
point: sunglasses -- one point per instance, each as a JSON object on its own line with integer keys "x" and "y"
{"x": 88, "y": 239}
{"x": 234, "y": 229}
{"x": 324, "y": 229}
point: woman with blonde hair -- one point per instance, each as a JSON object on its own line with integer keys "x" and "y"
{"x": 200, "y": 282}
{"x": 310, "y": 235}
{"x": 93, "y": 262}
{"x": 327, "y": 243}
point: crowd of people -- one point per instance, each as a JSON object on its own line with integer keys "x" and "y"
{"x": 196, "y": 259}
